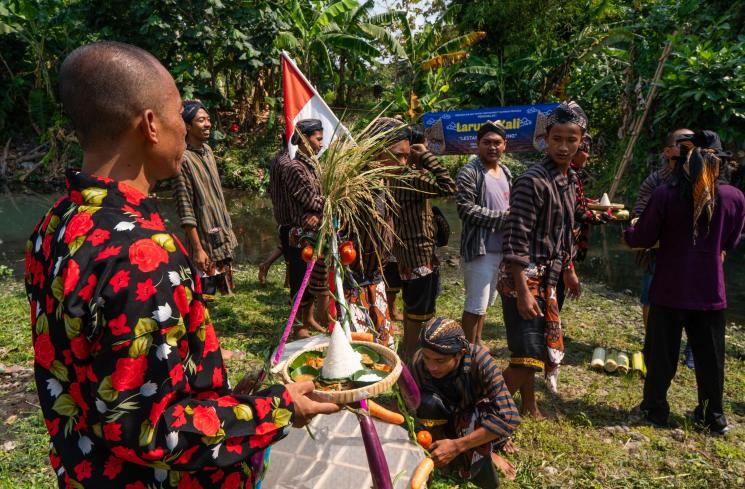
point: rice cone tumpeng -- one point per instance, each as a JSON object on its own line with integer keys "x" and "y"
{"x": 341, "y": 360}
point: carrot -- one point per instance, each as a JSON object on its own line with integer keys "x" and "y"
{"x": 383, "y": 414}
{"x": 362, "y": 337}
{"x": 421, "y": 474}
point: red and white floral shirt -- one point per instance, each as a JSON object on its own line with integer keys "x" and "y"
{"x": 128, "y": 367}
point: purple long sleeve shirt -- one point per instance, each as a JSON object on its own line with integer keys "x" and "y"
{"x": 688, "y": 275}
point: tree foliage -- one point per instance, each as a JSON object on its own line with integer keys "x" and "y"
{"x": 417, "y": 56}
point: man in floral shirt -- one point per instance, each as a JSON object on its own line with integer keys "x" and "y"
{"x": 128, "y": 368}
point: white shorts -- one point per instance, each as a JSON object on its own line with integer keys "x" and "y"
{"x": 480, "y": 277}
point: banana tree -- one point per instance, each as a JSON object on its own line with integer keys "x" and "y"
{"x": 425, "y": 60}
{"x": 376, "y": 30}
{"x": 318, "y": 33}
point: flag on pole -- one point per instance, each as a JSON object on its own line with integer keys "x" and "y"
{"x": 303, "y": 102}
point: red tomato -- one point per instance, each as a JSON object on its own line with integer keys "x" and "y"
{"x": 307, "y": 253}
{"x": 424, "y": 438}
{"x": 234, "y": 128}
{"x": 347, "y": 253}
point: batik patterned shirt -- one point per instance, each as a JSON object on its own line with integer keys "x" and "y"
{"x": 128, "y": 368}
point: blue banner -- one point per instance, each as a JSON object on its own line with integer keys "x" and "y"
{"x": 454, "y": 132}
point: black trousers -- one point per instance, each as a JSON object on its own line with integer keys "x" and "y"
{"x": 296, "y": 266}
{"x": 705, "y": 330}
{"x": 561, "y": 292}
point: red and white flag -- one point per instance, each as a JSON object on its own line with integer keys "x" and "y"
{"x": 303, "y": 102}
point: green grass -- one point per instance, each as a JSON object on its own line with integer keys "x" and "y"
{"x": 575, "y": 449}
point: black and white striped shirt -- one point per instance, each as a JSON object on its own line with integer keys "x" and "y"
{"x": 414, "y": 220}
{"x": 539, "y": 227}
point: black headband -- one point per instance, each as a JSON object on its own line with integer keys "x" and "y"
{"x": 443, "y": 336}
{"x": 707, "y": 139}
{"x": 190, "y": 110}
{"x": 306, "y": 127}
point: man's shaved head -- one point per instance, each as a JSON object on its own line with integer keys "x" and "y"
{"x": 104, "y": 85}
{"x": 672, "y": 136}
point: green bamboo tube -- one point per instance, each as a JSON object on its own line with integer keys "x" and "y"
{"x": 623, "y": 362}
{"x": 637, "y": 364}
{"x": 611, "y": 362}
{"x": 598, "y": 359}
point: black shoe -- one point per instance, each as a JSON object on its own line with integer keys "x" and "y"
{"x": 701, "y": 425}
{"x": 721, "y": 431}
{"x": 646, "y": 419}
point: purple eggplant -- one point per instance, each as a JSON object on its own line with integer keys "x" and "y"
{"x": 409, "y": 389}
{"x": 381, "y": 476}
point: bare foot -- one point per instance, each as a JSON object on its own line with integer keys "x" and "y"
{"x": 315, "y": 326}
{"x": 510, "y": 447}
{"x": 396, "y": 316}
{"x": 505, "y": 466}
{"x": 301, "y": 333}
{"x": 263, "y": 272}
{"x": 230, "y": 354}
{"x": 534, "y": 413}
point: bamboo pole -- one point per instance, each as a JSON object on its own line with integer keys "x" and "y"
{"x": 640, "y": 121}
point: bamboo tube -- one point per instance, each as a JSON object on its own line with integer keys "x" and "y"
{"x": 598, "y": 359}
{"x": 637, "y": 364}
{"x": 623, "y": 362}
{"x": 611, "y": 363}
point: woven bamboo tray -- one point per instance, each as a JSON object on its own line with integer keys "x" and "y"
{"x": 353, "y": 395}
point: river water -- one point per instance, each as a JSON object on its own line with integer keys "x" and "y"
{"x": 607, "y": 261}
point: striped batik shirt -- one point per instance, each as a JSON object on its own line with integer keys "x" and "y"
{"x": 539, "y": 227}
{"x": 655, "y": 179}
{"x": 302, "y": 184}
{"x": 201, "y": 203}
{"x": 281, "y": 205}
{"x": 413, "y": 220}
{"x": 478, "y": 220}
{"x": 478, "y": 381}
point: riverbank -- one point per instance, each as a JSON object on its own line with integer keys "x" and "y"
{"x": 591, "y": 442}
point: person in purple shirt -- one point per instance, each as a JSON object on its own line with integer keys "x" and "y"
{"x": 696, "y": 218}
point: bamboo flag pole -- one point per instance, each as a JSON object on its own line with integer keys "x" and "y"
{"x": 640, "y": 121}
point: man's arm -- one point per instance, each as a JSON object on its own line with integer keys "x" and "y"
{"x": 646, "y": 232}
{"x": 200, "y": 257}
{"x": 419, "y": 185}
{"x": 159, "y": 383}
{"x": 466, "y": 199}
{"x": 185, "y": 207}
{"x": 444, "y": 451}
{"x": 734, "y": 226}
{"x": 525, "y": 203}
